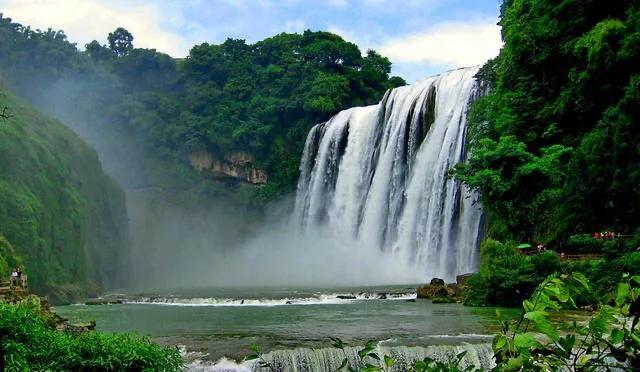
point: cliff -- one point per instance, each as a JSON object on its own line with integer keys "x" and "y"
{"x": 239, "y": 166}
{"x": 65, "y": 219}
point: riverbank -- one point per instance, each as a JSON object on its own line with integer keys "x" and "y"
{"x": 34, "y": 337}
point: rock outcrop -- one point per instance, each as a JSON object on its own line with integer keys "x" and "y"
{"x": 440, "y": 292}
{"x": 238, "y": 165}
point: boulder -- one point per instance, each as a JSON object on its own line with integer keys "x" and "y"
{"x": 461, "y": 280}
{"x": 439, "y": 292}
{"x": 342, "y": 297}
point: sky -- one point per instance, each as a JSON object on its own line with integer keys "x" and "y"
{"x": 420, "y": 37}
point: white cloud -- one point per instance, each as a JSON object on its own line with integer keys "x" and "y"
{"x": 85, "y": 20}
{"x": 453, "y": 44}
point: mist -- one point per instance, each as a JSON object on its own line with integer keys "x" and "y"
{"x": 197, "y": 236}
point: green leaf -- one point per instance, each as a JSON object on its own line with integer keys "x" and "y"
{"x": 526, "y": 340}
{"x": 617, "y": 335}
{"x": 543, "y": 325}
{"x": 388, "y": 361}
{"x": 251, "y": 357}
{"x": 567, "y": 342}
{"x": 499, "y": 342}
{"x": 255, "y": 348}
{"x": 374, "y": 356}
{"x": 622, "y": 293}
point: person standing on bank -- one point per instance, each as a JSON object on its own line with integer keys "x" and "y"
{"x": 14, "y": 277}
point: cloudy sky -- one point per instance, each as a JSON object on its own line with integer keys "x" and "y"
{"x": 421, "y": 37}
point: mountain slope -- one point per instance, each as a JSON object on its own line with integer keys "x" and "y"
{"x": 64, "y": 217}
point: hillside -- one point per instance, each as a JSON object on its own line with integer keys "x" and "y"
{"x": 65, "y": 219}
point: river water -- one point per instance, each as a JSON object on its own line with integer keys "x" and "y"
{"x": 215, "y": 326}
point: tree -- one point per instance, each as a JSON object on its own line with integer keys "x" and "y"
{"x": 120, "y": 42}
{"x": 97, "y": 52}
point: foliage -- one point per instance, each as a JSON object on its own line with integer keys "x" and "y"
{"x": 8, "y": 257}
{"x": 233, "y": 97}
{"x": 555, "y": 140}
{"x": 29, "y": 342}
{"x": 506, "y": 277}
{"x": 609, "y": 340}
{"x": 64, "y": 217}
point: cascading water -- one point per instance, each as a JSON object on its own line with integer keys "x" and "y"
{"x": 378, "y": 174}
{"x": 478, "y": 355}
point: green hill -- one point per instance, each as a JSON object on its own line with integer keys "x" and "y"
{"x": 65, "y": 219}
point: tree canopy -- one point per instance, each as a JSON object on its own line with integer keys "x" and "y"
{"x": 555, "y": 142}
{"x": 259, "y": 98}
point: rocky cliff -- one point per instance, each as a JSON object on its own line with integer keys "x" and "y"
{"x": 239, "y": 166}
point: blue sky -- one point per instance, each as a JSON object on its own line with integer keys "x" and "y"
{"x": 421, "y": 37}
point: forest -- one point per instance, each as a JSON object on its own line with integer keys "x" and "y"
{"x": 259, "y": 98}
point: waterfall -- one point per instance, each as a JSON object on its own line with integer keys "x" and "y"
{"x": 329, "y": 359}
{"x": 378, "y": 175}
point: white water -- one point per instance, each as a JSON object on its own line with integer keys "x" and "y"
{"x": 328, "y": 359}
{"x": 376, "y": 177}
{"x": 319, "y": 299}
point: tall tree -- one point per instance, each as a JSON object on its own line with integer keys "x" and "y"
{"x": 120, "y": 42}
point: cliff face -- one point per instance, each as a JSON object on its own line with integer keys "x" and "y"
{"x": 64, "y": 217}
{"x": 239, "y": 166}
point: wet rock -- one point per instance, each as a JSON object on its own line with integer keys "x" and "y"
{"x": 461, "y": 280}
{"x": 343, "y": 297}
{"x": 97, "y": 301}
{"x": 411, "y": 300}
{"x": 439, "y": 292}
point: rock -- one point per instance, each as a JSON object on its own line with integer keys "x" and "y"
{"x": 342, "y": 297}
{"x": 442, "y": 300}
{"x": 454, "y": 290}
{"x": 411, "y": 300}
{"x": 461, "y": 280}
{"x": 103, "y": 301}
{"x": 238, "y": 165}
{"x": 382, "y": 296}
{"x": 439, "y": 292}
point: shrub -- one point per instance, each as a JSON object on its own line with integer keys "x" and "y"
{"x": 29, "y": 342}
{"x": 506, "y": 277}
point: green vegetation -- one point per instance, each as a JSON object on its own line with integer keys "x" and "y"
{"x": 8, "y": 257}
{"x": 555, "y": 142}
{"x": 259, "y": 99}
{"x": 29, "y": 342}
{"x": 609, "y": 340}
{"x": 60, "y": 215}
{"x": 506, "y": 277}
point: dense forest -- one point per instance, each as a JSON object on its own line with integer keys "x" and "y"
{"x": 221, "y": 100}
{"x": 555, "y": 155}
{"x": 555, "y": 142}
